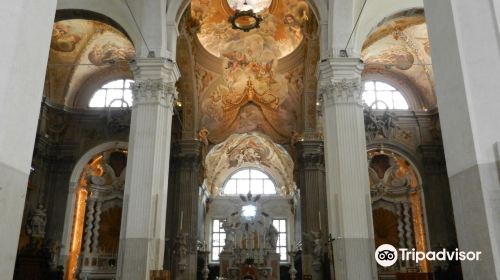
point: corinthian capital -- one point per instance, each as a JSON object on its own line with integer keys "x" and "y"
{"x": 154, "y": 91}
{"x": 340, "y": 80}
{"x": 342, "y": 91}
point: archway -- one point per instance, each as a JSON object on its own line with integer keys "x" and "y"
{"x": 398, "y": 208}
{"x": 93, "y": 211}
{"x": 252, "y": 219}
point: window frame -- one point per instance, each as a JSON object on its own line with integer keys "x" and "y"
{"x": 124, "y": 103}
{"x": 250, "y": 179}
{"x": 213, "y": 232}
{"x": 286, "y": 232}
{"x": 396, "y": 90}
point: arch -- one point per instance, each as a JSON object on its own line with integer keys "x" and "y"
{"x": 396, "y": 147}
{"x": 176, "y": 9}
{"x": 250, "y": 178}
{"x": 73, "y": 184}
{"x": 82, "y": 97}
{"x": 406, "y": 86}
{"x": 113, "y": 12}
{"x": 417, "y": 168}
{"x": 374, "y": 14}
{"x": 249, "y": 150}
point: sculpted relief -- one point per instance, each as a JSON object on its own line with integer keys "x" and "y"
{"x": 249, "y": 149}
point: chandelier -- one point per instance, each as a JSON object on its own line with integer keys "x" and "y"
{"x": 245, "y": 16}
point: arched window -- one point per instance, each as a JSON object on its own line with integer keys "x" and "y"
{"x": 249, "y": 180}
{"x": 381, "y": 96}
{"x": 116, "y": 93}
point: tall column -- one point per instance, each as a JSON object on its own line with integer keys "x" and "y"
{"x": 348, "y": 196}
{"x": 186, "y": 200}
{"x": 142, "y": 234}
{"x": 314, "y": 217}
{"x": 465, "y": 46}
{"x": 28, "y": 25}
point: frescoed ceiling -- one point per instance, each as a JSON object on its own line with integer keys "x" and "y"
{"x": 400, "y": 47}
{"x": 247, "y": 81}
{"x": 280, "y": 30}
{"x": 80, "y": 51}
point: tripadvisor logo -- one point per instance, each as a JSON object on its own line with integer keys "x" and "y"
{"x": 386, "y": 255}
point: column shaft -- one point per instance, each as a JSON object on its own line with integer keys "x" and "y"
{"x": 349, "y": 203}
{"x": 27, "y": 24}
{"x": 314, "y": 217}
{"x": 186, "y": 199}
{"x": 142, "y": 235}
{"x": 465, "y": 46}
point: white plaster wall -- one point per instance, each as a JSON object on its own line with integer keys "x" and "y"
{"x": 467, "y": 77}
{"x": 26, "y": 25}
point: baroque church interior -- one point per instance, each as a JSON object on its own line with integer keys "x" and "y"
{"x": 249, "y": 139}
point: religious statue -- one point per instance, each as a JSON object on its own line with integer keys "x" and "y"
{"x": 110, "y": 176}
{"x": 379, "y": 126}
{"x": 182, "y": 245}
{"x": 230, "y": 238}
{"x": 37, "y": 222}
{"x": 317, "y": 249}
{"x": 388, "y": 122}
{"x": 54, "y": 250}
{"x": 182, "y": 251}
{"x": 272, "y": 237}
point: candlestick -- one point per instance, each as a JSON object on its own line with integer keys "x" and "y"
{"x": 319, "y": 219}
{"x": 182, "y": 216}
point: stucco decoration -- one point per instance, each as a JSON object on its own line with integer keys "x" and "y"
{"x": 81, "y": 49}
{"x": 401, "y": 46}
{"x": 249, "y": 150}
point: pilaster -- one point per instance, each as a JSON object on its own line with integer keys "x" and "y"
{"x": 185, "y": 213}
{"x": 348, "y": 196}
{"x": 142, "y": 234}
{"x": 438, "y": 204}
{"x": 314, "y": 217}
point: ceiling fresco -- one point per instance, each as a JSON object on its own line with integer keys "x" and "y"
{"x": 401, "y": 46}
{"x": 248, "y": 81}
{"x": 280, "y": 30}
{"x": 79, "y": 50}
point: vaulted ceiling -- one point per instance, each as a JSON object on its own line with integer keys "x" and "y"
{"x": 247, "y": 81}
{"x": 82, "y": 53}
{"x": 399, "y": 50}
